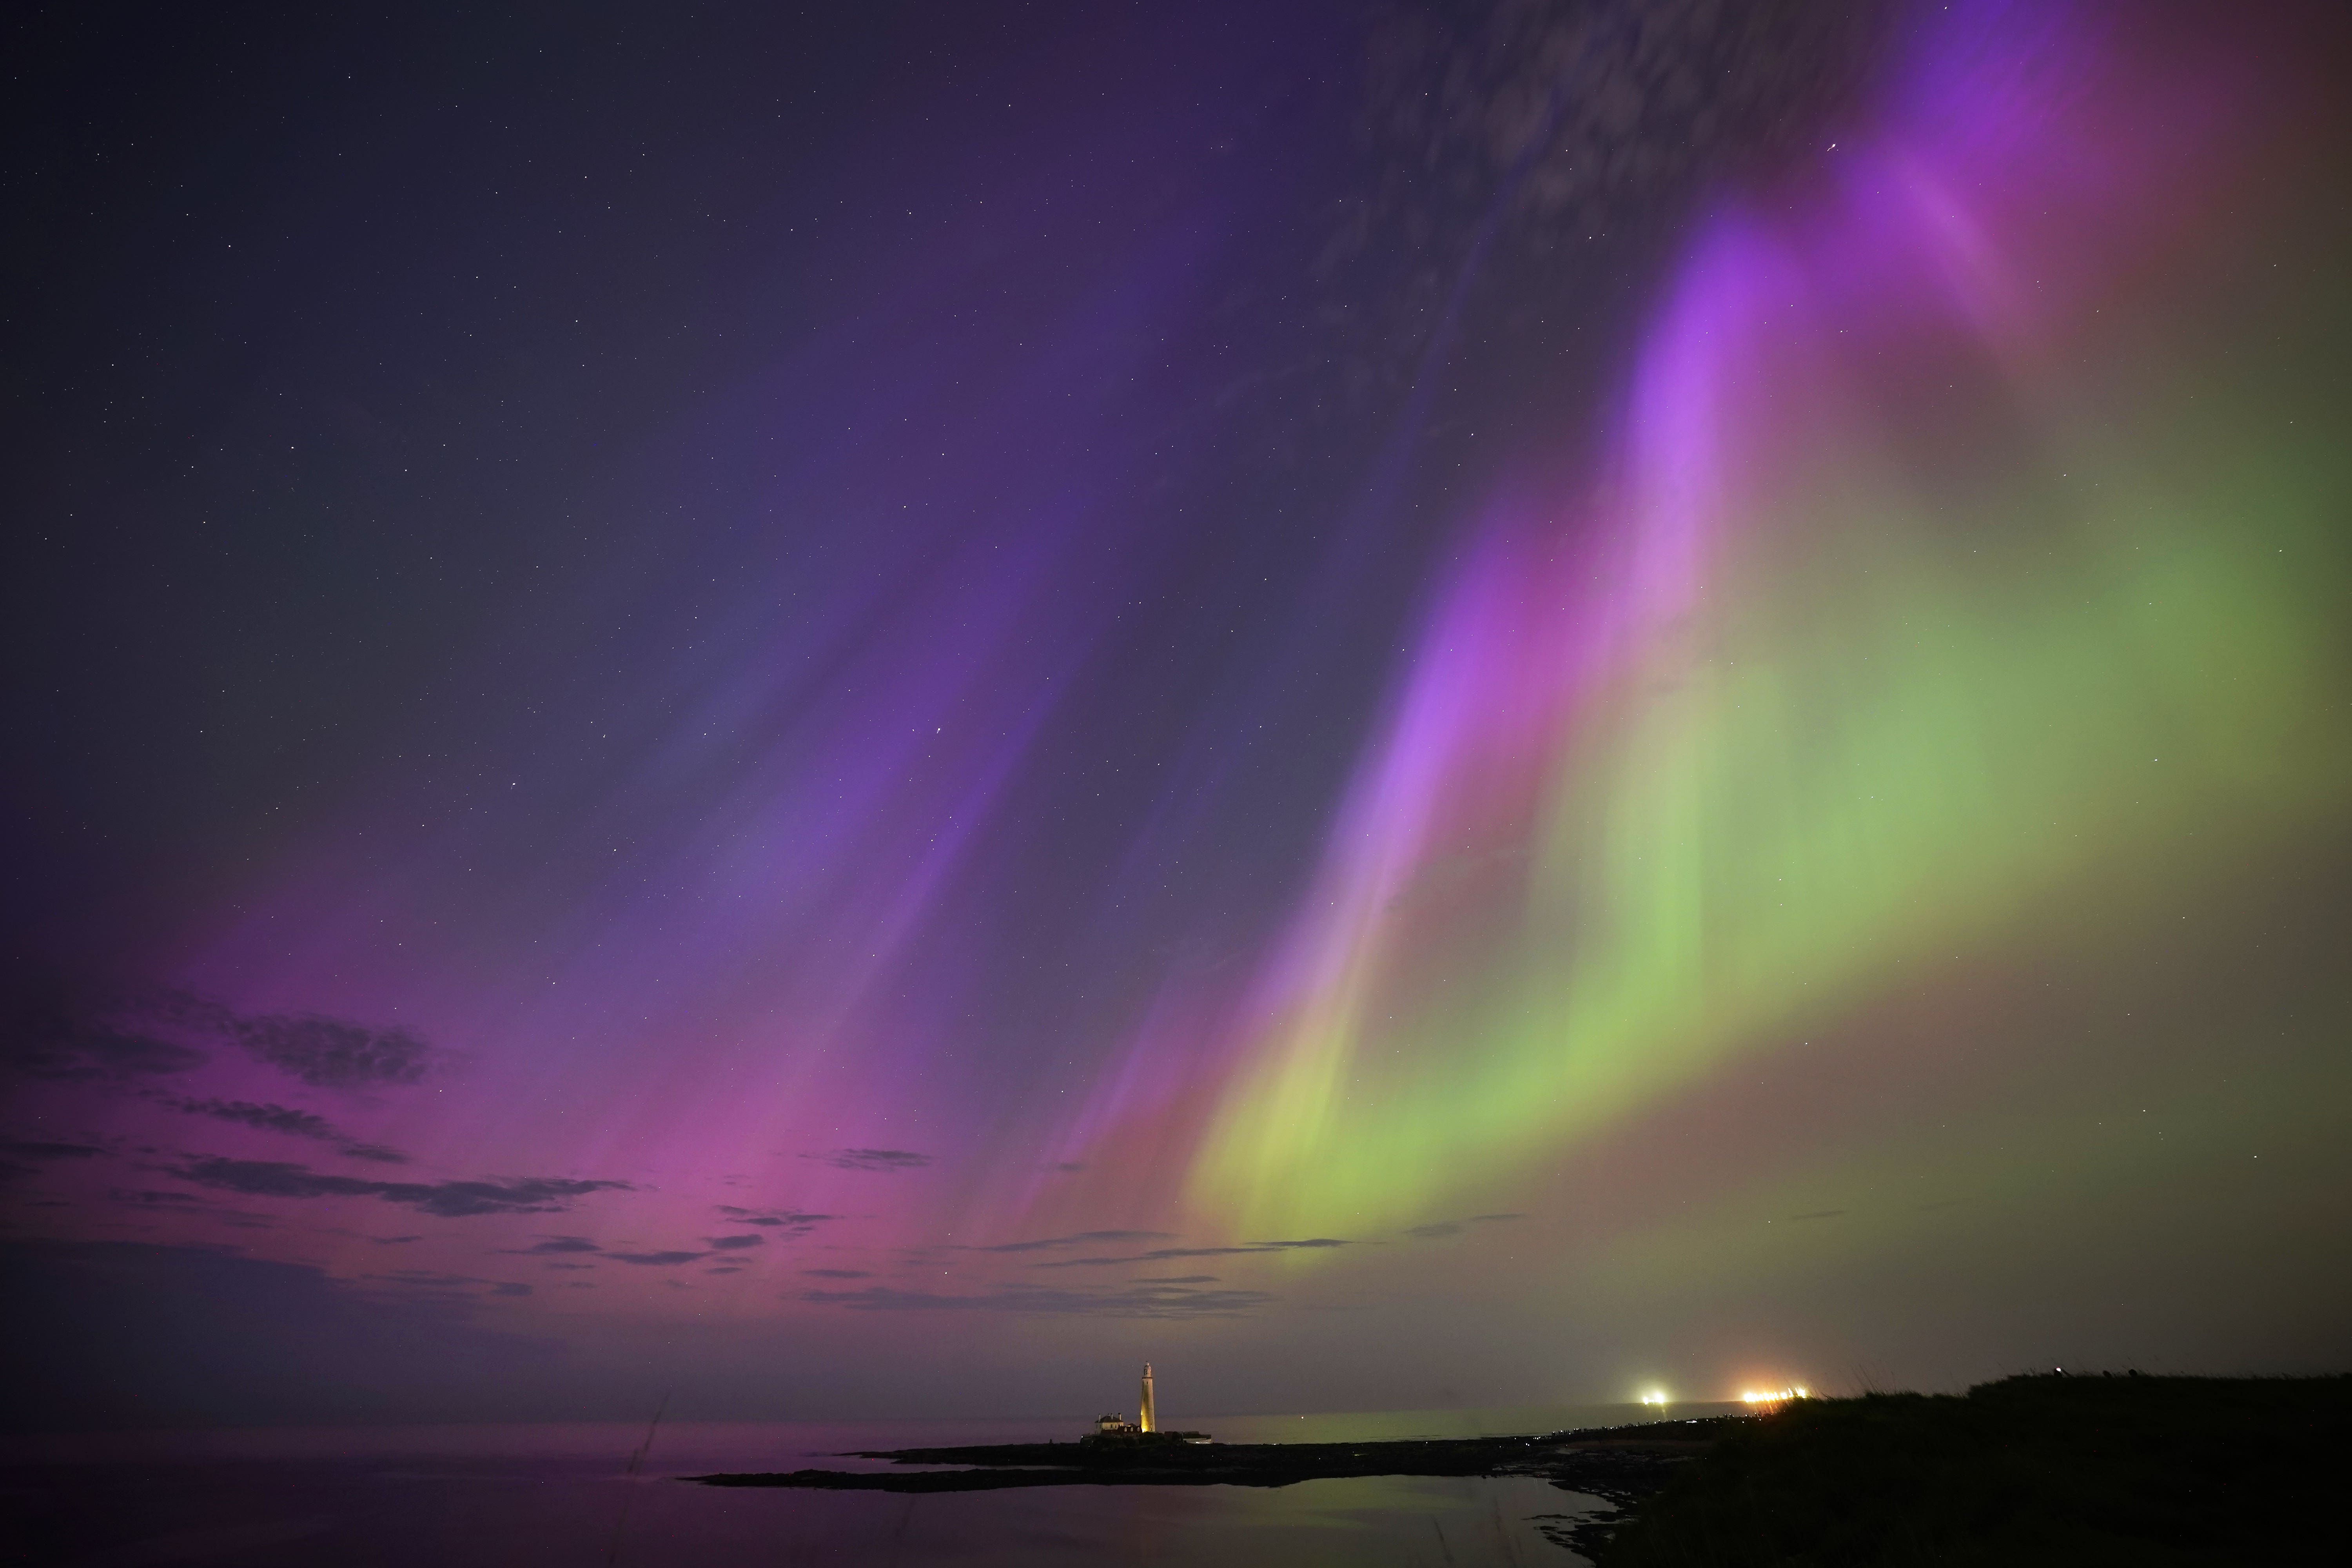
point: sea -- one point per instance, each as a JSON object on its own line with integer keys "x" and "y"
{"x": 568, "y": 1495}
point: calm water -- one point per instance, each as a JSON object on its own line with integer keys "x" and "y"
{"x": 521, "y": 1497}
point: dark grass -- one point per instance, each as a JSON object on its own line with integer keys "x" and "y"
{"x": 2147, "y": 1472}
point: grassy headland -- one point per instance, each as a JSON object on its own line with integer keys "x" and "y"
{"x": 2084, "y": 1471}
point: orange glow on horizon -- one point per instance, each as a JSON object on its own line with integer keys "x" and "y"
{"x": 1774, "y": 1395}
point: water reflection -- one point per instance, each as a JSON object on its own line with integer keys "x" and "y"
{"x": 516, "y": 1497}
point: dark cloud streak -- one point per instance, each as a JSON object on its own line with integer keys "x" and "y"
{"x": 1163, "y": 1254}
{"x": 1142, "y": 1302}
{"x": 333, "y": 1053}
{"x": 87, "y": 1031}
{"x": 451, "y": 1200}
{"x": 273, "y": 1118}
{"x": 1082, "y": 1239}
{"x": 793, "y": 1223}
{"x": 873, "y": 1159}
{"x": 555, "y": 1244}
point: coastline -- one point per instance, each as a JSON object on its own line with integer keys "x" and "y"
{"x": 1618, "y": 1463}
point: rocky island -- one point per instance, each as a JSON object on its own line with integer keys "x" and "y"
{"x": 1609, "y": 1462}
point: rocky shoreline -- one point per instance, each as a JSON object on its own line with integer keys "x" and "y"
{"x": 1616, "y": 1463}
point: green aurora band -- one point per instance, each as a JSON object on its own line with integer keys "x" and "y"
{"x": 1960, "y": 585}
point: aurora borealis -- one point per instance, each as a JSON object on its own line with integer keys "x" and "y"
{"x": 1774, "y": 715}
{"x": 1476, "y": 705}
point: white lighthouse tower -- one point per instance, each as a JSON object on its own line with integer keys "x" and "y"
{"x": 1116, "y": 1430}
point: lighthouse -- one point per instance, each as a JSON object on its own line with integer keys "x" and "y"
{"x": 1116, "y": 1430}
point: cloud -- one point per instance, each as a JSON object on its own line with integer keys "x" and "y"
{"x": 1818, "y": 1214}
{"x": 393, "y": 1240}
{"x": 80, "y": 1030}
{"x": 1082, "y": 1239}
{"x": 269, "y": 1118}
{"x": 733, "y": 1243}
{"x": 273, "y": 1118}
{"x": 726, "y": 1268}
{"x": 838, "y": 1273}
{"x": 657, "y": 1259}
{"x": 873, "y": 1159}
{"x": 1163, "y": 1254}
{"x": 1139, "y": 1301}
{"x": 575, "y": 1266}
{"x": 79, "y": 1054}
{"x": 334, "y": 1053}
{"x": 792, "y": 1222}
{"x": 1438, "y": 1229}
{"x": 31, "y": 1149}
{"x": 556, "y": 1244}
{"x": 1178, "y": 1279}
{"x": 150, "y": 1198}
{"x": 1554, "y": 120}
{"x": 455, "y": 1288}
{"x": 451, "y": 1200}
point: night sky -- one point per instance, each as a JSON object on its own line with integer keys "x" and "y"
{"x": 874, "y": 711}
